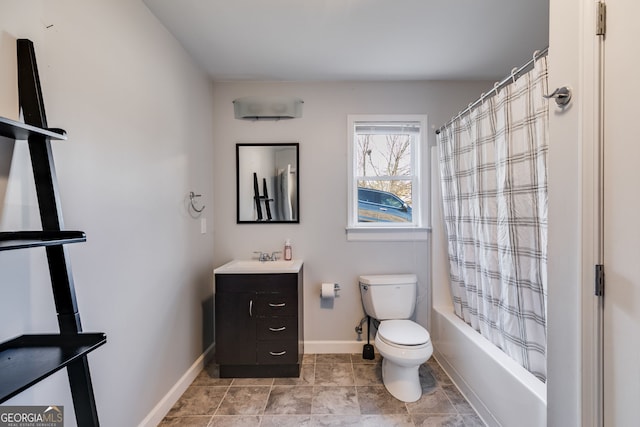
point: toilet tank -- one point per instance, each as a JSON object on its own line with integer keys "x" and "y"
{"x": 390, "y": 296}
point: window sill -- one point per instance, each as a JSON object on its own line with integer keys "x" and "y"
{"x": 387, "y": 234}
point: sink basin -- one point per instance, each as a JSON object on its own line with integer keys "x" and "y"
{"x": 250, "y": 266}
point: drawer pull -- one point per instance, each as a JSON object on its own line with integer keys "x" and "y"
{"x": 277, "y": 305}
{"x": 250, "y": 308}
{"x": 273, "y": 353}
{"x": 278, "y": 329}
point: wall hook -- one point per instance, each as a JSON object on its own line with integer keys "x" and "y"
{"x": 562, "y": 95}
{"x": 192, "y": 196}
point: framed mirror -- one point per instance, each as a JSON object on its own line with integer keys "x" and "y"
{"x": 267, "y": 183}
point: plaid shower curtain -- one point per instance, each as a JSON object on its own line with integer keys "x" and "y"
{"x": 494, "y": 186}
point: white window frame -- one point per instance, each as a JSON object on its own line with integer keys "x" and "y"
{"x": 417, "y": 229}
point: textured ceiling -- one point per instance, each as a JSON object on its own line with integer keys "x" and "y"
{"x": 321, "y": 40}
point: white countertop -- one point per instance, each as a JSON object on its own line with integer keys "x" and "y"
{"x": 251, "y": 266}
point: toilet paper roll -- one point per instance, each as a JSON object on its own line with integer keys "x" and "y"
{"x": 328, "y": 290}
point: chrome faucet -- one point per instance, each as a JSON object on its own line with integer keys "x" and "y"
{"x": 264, "y": 256}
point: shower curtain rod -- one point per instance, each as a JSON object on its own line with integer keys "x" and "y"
{"x": 499, "y": 85}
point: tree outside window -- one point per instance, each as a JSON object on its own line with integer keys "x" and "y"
{"x": 385, "y": 172}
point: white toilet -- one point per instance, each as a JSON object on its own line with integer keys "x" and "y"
{"x": 403, "y": 344}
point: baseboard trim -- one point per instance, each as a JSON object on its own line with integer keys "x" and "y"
{"x": 166, "y": 403}
{"x": 323, "y": 347}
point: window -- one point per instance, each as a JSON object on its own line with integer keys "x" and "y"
{"x": 387, "y": 189}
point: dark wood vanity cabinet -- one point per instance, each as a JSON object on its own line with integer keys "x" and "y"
{"x": 259, "y": 324}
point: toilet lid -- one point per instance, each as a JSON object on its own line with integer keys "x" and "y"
{"x": 403, "y": 332}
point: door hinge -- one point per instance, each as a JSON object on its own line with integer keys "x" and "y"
{"x": 601, "y": 19}
{"x": 599, "y": 288}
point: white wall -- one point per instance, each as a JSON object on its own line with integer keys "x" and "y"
{"x": 564, "y": 338}
{"x": 138, "y": 115}
{"x": 320, "y": 237}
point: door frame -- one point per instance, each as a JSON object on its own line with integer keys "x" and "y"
{"x": 592, "y": 124}
{"x": 592, "y": 235}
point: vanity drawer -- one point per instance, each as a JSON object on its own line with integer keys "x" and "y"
{"x": 278, "y": 328}
{"x": 276, "y": 304}
{"x": 286, "y": 283}
{"x": 277, "y": 352}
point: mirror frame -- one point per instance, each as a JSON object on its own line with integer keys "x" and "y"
{"x": 295, "y": 145}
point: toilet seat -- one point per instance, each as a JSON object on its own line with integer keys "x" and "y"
{"x": 403, "y": 333}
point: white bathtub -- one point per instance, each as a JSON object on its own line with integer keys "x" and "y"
{"x": 502, "y": 392}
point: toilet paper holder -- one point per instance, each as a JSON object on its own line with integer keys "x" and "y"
{"x": 323, "y": 290}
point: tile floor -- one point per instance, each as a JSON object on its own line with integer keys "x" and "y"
{"x": 332, "y": 390}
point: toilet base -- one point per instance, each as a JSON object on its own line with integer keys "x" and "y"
{"x": 403, "y": 382}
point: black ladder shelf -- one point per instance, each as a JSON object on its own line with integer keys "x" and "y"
{"x": 27, "y": 359}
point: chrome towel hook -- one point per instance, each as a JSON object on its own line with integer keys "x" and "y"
{"x": 562, "y": 95}
{"x": 192, "y": 196}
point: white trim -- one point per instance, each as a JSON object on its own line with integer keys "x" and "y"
{"x": 421, "y": 177}
{"x": 337, "y": 347}
{"x": 387, "y": 234}
{"x": 590, "y": 101}
{"x": 166, "y": 403}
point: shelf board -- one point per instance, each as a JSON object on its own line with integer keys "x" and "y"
{"x": 27, "y": 359}
{"x": 30, "y": 239}
{"x": 18, "y": 130}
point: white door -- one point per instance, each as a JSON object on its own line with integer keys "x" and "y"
{"x": 622, "y": 214}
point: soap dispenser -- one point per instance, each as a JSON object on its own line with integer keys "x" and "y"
{"x": 287, "y": 250}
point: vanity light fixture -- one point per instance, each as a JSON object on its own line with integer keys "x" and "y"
{"x": 267, "y": 108}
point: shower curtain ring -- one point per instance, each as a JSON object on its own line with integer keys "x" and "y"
{"x": 535, "y": 53}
